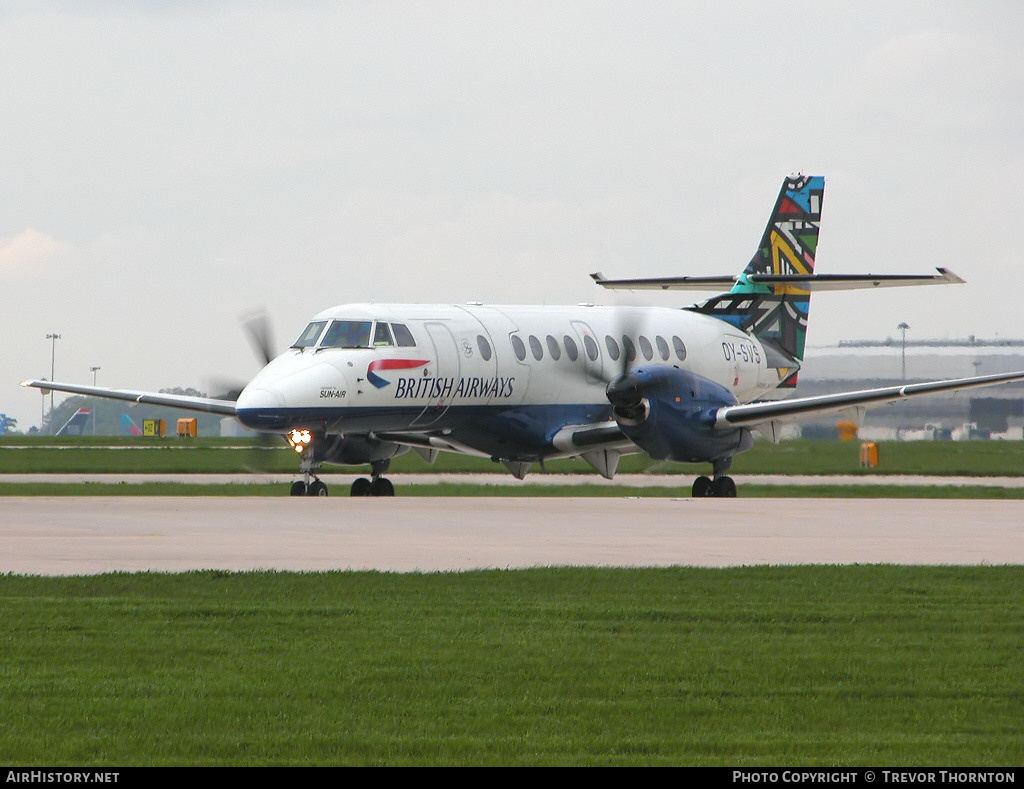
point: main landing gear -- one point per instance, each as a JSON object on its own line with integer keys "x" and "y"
{"x": 721, "y": 486}
{"x": 377, "y": 485}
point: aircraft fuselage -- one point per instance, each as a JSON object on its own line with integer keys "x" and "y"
{"x": 496, "y": 377}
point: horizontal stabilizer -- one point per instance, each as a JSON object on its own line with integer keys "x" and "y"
{"x": 808, "y": 282}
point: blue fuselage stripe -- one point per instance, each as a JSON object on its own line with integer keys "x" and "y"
{"x": 496, "y": 429}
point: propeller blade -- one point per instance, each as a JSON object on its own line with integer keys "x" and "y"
{"x": 258, "y": 330}
{"x": 225, "y": 389}
{"x": 623, "y": 351}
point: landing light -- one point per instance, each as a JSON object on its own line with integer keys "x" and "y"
{"x": 299, "y": 439}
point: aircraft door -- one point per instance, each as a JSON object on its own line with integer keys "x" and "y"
{"x": 446, "y": 372}
{"x": 478, "y": 366}
{"x": 505, "y": 375}
{"x": 589, "y": 352}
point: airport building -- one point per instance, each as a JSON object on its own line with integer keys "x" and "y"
{"x": 996, "y": 412}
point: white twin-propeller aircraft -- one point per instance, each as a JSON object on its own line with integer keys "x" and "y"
{"x": 524, "y": 384}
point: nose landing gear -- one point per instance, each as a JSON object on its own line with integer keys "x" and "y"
{"x": 309, "y": 485}
{"x": 314, "y": 488}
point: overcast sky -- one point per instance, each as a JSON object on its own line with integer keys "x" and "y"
{"x": 166, "y": 166}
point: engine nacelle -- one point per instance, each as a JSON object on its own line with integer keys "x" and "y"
{"x": 670, "y": 414}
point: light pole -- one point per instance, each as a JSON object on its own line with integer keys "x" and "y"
{"x": 42, "y": 408}
{"x": 53, "y": 355}
{"x": 94, "y": 369}
{"x": 903, "y": 328}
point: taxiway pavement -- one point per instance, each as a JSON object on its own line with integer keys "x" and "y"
{"x": 340, "y": 482}
{"x": 86, "y": 535}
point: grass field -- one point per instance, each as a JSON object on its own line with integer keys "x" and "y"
{"x": 805, "y": 456}
{"x": 863, "y": 665}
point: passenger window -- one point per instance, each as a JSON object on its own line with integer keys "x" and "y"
{"x": 570, "y": 348}
{"x": 484, "y": 346}
{"x": 680, "y": 348}
{"x": 347, "y": 334}
{"x": 591, "y": 347}
{"x": 662, "y": 347}
{"x": 382, "y": 335}
{"x": 310, "y": 335}
{"x": 630, "y": 349}
{"x": 518, "y": 348}
{"x": 553, "y": 348}
{"x": 402, "y": 335}
{"x": 613, "y": 348}
{"x": 645, "y": 348}
{"x": 535, "y": 346}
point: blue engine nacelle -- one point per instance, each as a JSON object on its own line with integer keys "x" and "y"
{"x": 670, "y": 414}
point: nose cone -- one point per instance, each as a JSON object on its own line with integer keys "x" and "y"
{"x": 291, "y": 390}
{"x": 259, "y": 397}
{"x": 625, "y": 391}
{"x": 260, "y": 408}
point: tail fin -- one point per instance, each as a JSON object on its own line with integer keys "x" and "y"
{"x": 77, "y": 424}
{"x": 772, "y": 296}
{"x": 776, "y": 313}
{"x": 128, "y": 426}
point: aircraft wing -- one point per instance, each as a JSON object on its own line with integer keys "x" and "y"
{"x": 207, "y": 405}
{"x": 809, "y": 282}
{"x": 428, "y": 441}
{"x": 794, "y": 409}
{"x": 571, "y": 440}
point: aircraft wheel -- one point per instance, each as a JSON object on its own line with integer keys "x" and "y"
{"x": 701, "y": 487}
{"x": 361, "y": 487}
{"x": 298, "y": 489}
{"x": 382, "y": 487}
{"x": 317, "y": 489}
{"x": 724, "y": 488}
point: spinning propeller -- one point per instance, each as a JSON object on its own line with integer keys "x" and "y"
{"x": 258, "y": 331}
{"x": 622, "y": 388}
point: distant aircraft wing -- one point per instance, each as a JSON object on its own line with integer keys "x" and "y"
{"x": 207, "y": 405}
{"x": 797, "y": 408}
{"x": 809, "y": 282}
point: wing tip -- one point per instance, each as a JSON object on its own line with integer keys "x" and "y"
{"x": 950, "y": 276}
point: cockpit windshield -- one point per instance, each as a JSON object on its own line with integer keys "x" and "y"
{"x": 310, "y": 335}
{"x": 355, "y": 334}
{"x": 347, "y": 334}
